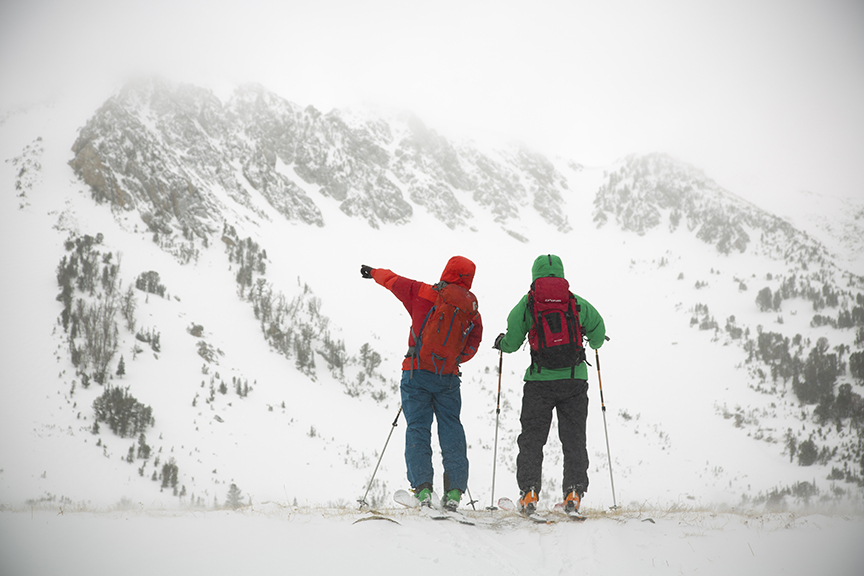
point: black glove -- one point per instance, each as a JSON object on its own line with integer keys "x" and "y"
{"x": 497, "y": 344}
{"x": 366, "y": 271}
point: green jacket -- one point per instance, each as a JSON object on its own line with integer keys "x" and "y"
{"x": 519, "y": 323}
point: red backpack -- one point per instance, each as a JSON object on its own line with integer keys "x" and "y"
{"x": 556, "y": 337}
{"x": 445, "y": 329}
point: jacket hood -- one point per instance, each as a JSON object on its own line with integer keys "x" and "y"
{"x": 459, "y": 270}
{"x": 547, "y": 265}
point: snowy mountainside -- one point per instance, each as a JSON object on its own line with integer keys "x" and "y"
{"x": 169, "y": 149}
{"x": 231, "y": 235}
{"x": 647, "y": 191}
{"x": 837, "y": 222}
{"x": 803, "y": 348}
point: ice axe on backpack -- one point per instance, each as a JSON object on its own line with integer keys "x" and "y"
{"x": 603, "y": 407}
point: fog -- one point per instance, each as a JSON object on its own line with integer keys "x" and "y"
{"x": 764, "y": 96}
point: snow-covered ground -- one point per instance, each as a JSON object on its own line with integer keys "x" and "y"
{"x": 280, "y": 540}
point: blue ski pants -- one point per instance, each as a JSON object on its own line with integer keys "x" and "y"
{"x": 424, "y": 395}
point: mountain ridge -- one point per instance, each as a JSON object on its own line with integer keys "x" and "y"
{"x": 367, "y": 168}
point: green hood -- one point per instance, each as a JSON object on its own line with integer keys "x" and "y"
{"x": 547, "y": 265}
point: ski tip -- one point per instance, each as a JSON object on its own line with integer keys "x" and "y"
{"x": 366, "y": 518}
{"x": 405, "y": 498}
{"x": 432, "y": 513}
{"x": 538, "y": 519}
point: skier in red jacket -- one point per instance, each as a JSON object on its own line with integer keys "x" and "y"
{"x": 426, "y": 393}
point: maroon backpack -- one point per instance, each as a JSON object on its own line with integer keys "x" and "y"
{"x": 556, "y": 337}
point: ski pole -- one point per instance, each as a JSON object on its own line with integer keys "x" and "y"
{"x": 605, "y": 429}
{"x": 497, "y": 413}
{"x": 362, "y": 501}
{"x": 471, "y": 498}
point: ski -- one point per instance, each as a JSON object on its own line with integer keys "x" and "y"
{"x": 510, "y": 506}
{"x": 434, "y": 510}
{"x": 375, "y": 517}
{"x": 432, "y": 513}
{"x": 408, "y": 500}
{"x": 574, "y": 516}
{"x": 460, "y": 517}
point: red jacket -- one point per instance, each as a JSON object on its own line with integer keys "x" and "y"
{"x": 418, "y": 298}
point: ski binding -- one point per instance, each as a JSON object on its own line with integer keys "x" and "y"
{"x": 510, "y": 506}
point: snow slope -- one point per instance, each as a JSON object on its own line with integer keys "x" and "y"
{"x": 284, "y": 540}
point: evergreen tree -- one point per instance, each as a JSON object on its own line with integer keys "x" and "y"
{"x": 856, "y": 366}
{"x": 807, "y": 453}
{"x": 143, "y": 448}
{"x": 123, "y": 413}
{"x": 128, "y": 304}
{"x": 820, "y": 373}
{"x": 169, "y": 474}
{"x": 234, "y": 499}
{"x": 150, "y": 282}
{"x": 765, "y": 299}
{"x": 849, "y": 404}
{"x": 777, "y": 301}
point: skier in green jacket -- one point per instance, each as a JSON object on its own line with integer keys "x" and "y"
{"x": 560, "y": 385}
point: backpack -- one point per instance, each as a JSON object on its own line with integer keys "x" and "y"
{"x": 445, "y": 329}
{"x": 556, "y": 336}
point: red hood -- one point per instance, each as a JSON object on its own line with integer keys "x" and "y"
{"x": 459, "y": 270}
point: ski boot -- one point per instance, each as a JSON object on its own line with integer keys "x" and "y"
{"x": 572, "y": 500}
{"x": 528, "y": 502}
{"x": 423, "y": 493}
{"x": 451, "y": 500}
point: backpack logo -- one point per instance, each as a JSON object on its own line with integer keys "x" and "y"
{"x": 445, "y": 329}
{"x": 556, "y": 336}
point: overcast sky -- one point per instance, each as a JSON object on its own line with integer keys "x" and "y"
{"x": 763, "y": 95}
